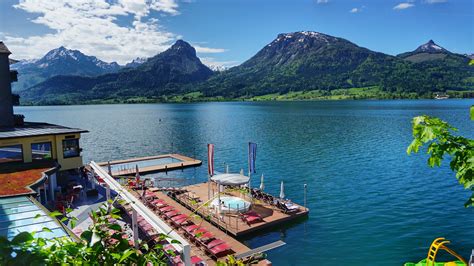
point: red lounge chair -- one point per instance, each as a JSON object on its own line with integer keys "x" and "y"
{"x": 198, "y": 233}
{"x": 156, "y": 201}
{"x": 205, "y": 238}
{"x": 220, "y": 249}
{"x": 251, "y": 217}
{"x": 196, "y": 260}
{"x": 191, "y": 228}
{"x": 181, "y": 222}
{"x": 179, "y": 217}
{"x": 214, "y": 243}
{"x": 166, "y": 209}
{"x": 172, "y": 213}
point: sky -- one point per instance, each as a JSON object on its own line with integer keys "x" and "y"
{"x": 227, "y": 32}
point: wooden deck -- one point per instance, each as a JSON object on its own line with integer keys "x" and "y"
{"x": 237, "y": 246}
{"x": 184, "y": 162}
{"x": 232, "y": 224}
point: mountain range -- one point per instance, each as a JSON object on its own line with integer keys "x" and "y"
{"x": 298, "y": 61}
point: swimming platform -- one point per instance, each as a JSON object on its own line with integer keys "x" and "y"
{"x": 150, "y": 164}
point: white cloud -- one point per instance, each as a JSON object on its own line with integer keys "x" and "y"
{"x": 435, "y": 1}
{"x": 355, "y": 10}
{"x": 92, "y": 27}
{"x": 322, "y": 1}
{"x": 207, "y": 50}
{"x": 403, "y": 6}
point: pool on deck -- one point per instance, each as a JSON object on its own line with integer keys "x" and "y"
{"x": 231, "y": 204}
{"x": 143, "y": 163}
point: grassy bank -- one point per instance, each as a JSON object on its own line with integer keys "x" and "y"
{"x": 373, "y": 92}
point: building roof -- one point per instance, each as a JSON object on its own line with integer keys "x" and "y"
{"x": 30, "y": 129}
{"x": 4, "y": 49}
{"x": 21, "y": 214}
{"x": 19, "y": 179}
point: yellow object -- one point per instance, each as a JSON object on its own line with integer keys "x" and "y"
{"x": 56, "y": 145}
{"x": 440, "y": 243}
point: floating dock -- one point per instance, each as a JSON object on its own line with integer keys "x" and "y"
{"x": 159, "y": 163}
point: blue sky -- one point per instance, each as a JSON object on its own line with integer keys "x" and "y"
{"x": 228, "y": 32}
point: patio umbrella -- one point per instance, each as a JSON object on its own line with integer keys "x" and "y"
{"x": 109, "y": 167}
{"x": 137, "y": 174}
{"x": 226, "y": 168}
{"x": 262, "y": 186}
{"x": 282, "y": 191}
{"x": 241, "y": 171}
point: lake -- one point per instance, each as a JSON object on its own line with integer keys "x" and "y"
{"x": 370, "y": 203}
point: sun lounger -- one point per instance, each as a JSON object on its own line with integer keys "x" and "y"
{"x": 191, "y": 228}
{"x": 219, "y": 250}
{"x": 285, "y": 209}
{"x": 166, "y": 208}
{"x": 171, "y": 213}
{"x": 179, "y": 217}
{"x": 214, "y": 243}
{"x": 251, "y": 217}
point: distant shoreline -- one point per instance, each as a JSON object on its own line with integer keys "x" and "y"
{"x": 366, "y": 93}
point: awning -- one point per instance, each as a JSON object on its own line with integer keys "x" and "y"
{"x": 230, "y": 179}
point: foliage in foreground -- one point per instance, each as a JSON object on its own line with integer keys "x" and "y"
{"x": 437, "y": 134}
{"x": 100, "y": 244}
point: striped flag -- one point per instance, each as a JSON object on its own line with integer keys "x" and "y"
{"x": 252, "y": 156}
{"x": 210, "y": 159}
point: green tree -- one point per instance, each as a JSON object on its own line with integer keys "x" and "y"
{"x": 441, "y": 143}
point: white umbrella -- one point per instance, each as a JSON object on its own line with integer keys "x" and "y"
{"x": 137, "y": 174}
{"x": 226, "y": 168}
{"x": 241, "y": 171}
{"x": 262, "y": 186}
{"x": 282, "y": 191}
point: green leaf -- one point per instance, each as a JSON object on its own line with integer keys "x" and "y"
{"x": 126, "y": 254}
{"x": 115, "y": 227}
{"x": 55, "y": 214}
{"x": 22, "y": 238}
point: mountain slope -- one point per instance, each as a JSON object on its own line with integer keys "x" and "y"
{"x": 162, "y": 74}
{"x": 314, "y": 61}
{"x": 430, "y": 51}
{"x": 60, "y": 61}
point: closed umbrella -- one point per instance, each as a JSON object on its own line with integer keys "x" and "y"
{"x": 282, "y": 191}
{"x": 241, "y": 171}
{"x": 262, "y": 186}
{"x": 109, "y": 167}
{"x": 137, "y": 175}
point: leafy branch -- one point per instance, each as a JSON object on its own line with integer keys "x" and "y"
{"x": 438, "y": 136}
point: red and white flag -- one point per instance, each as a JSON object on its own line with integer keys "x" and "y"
{"x": 210, "y": 159}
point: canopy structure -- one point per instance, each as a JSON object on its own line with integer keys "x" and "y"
{"x": 230, "y": 179}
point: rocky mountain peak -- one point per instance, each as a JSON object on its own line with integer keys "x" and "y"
{"x": 430, "y": 47}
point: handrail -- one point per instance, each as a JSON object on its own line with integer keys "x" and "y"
{"x": 146, "y": 213}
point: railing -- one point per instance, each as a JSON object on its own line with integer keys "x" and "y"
{"x": 140, "y": 208}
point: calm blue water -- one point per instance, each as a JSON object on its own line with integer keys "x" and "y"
{"x": 371, "y": 204}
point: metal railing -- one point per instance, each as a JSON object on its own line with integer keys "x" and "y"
{"x": 155, "y": 221}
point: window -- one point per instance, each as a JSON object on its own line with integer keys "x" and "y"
{"x": 71, "y": 148}
{"x": 41, "y": 151}
{"x": 13, "y": 153}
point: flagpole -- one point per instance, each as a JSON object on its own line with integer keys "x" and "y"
{"x": 249, "y": 161}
